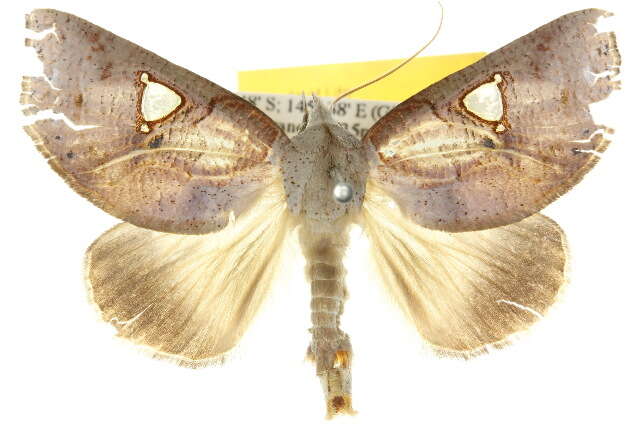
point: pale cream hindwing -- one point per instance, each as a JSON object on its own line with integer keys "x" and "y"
{"x": 188, "y": 298}
{"x": 467, "y": 291}
{"x": 157, "y": 145}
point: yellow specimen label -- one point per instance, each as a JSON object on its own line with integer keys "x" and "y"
{"x": 332, "y": 80}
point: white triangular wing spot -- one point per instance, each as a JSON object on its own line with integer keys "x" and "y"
{"x": 485, "y": 101}
{"x": 158, "y": 101}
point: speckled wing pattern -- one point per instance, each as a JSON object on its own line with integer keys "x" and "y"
{"x": 181, "y": 159}
{"x": 454, "y": 163}
{"x": 158, "y": 146}
{"x": 464, "y": 166}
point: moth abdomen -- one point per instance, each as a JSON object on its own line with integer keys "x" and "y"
{"x": 330, "y": 347}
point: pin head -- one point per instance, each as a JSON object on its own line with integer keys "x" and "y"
{"x": 342, "y": 192}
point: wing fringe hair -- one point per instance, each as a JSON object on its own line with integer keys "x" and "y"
{"x": 188, "y": 298}
{"x": 471, "y": 291}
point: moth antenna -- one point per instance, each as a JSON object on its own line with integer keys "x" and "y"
{"x": 394, "y": 69}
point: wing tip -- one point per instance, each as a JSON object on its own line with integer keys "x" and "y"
{"x": 39, "y": 20}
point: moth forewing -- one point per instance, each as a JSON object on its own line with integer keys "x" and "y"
{"x": 497, "y": 141}
{"x": 167, "y": 149}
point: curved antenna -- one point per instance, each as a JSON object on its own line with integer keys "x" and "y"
{"x": 394, "y": 69}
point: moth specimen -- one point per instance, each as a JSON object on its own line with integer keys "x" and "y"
{"x": 447, "y": 187}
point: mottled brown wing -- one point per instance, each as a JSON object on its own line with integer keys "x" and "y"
{"x": 468, "y": 291}
{"x": 502, "y": 138}
{"x": 148, "y": 141}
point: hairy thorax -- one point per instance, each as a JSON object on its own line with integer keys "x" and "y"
{"x": 324, "y": 169}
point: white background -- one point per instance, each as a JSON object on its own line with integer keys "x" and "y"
{"x": 60, "y": 365}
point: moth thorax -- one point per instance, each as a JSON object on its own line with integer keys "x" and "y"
{"x": 343, "y": 192}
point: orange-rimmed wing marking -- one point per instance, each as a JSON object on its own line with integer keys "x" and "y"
{"x": 158, "y": 146}
{"x": 499, "y": 140}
